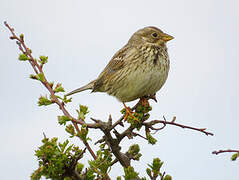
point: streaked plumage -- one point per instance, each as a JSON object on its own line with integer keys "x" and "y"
{"x": 139, "y": 69}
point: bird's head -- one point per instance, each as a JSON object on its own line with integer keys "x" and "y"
{"x": 150, "y": 35}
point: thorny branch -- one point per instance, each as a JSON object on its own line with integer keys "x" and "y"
{"x": 39, "y": 69}
{"x": 224, "y": 151}
{"x": 164, "y": 122}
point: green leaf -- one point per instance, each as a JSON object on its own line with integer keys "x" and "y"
{"x": 144, "y": 109}
{"x": 90, "y": 175}
{"x": 63, "y": 119}
{"x": 148, "y": 171}
{"x": 134, "y": 151}
{"x": 30, "y": 51}
{"x": 71, "y": 130}
{"x": 154, "y": 170}
{"x": 32, "y": 76}
{"x": 79, "y": 167}
{"x": 156, "y": 165}
{"x": 55, "y": 159}
{"x": 83, "y": 111}
{"x": 67, "y": 178}
{"x": 102, "y": 146}
{"x": 22, "y": 37}
{"x": 65, "y": 100}
{"x": 63, "y": 146}
{"x": 130, "y": 173}
{"x": 23, "y": 57}
{"x": 234, "y": 156}
{"x": 150, "y": 138}
{"x": 102, "y": 163}
{"x": 51, "y": 84}
{"x": 44, "y": 101}
{"x": 167, "y": 177}
{"x": 83, "y": 133}
{"x": 59, "y": 88}
{"x": 123, "y": 111}
{"x": 36, "y": 175}
{"x": 43, "y": 59}
{"x": 40, "y": 77}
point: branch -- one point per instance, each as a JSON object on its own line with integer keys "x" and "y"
{"x": 164, "y": 122}
{"x": 38, "y": 69}
{"x": 115, "y": 148}
{"x": 224, "y": 151}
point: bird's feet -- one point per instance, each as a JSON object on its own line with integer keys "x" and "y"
{"x": 144, "y": 101}
{"x": 129, "y": 112}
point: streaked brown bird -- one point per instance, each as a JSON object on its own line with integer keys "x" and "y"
{"x": 137, "y": 70}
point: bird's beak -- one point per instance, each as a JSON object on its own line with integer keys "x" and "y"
{"x": 167, "y": 37}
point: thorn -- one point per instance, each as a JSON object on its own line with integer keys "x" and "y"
{"x": 121, "y": 123}
{"x": 110, "y": 120}
{"x": 164, "y": 118}
{"x": 95, "y": 120}
{"x": 12, "y": 37}
{"x": 153, "y": 97}
{"x": 116, "y": 132}
{"x": 100, "y": 141}
{"x": 44, "y": 135}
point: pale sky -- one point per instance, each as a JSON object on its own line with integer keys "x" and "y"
{"x": 80, "y": 37}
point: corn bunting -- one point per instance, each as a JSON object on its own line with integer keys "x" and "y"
{"x": 137, "y": 70}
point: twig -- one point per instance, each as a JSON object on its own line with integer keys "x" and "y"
{"x": 164, "y": 122}
{"x": 162, "y": 177}
{"x": 224, "y": 151}
{"x": 136, "y": 134}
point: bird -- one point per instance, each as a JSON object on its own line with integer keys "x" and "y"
{"x": 138, "y": 70}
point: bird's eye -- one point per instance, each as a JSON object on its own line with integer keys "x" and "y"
{"x": 155, "y": 34}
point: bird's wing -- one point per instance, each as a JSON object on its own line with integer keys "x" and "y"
{"x": 116, "y": 63}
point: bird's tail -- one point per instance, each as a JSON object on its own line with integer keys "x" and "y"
{"x": 83, "y": 88}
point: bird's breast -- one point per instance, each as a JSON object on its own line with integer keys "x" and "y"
{"x": 146, "y": 74}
